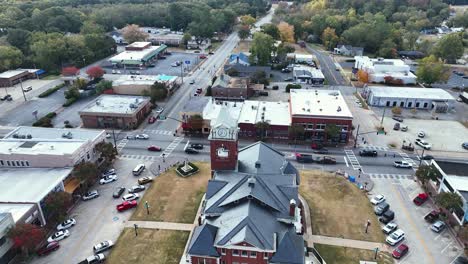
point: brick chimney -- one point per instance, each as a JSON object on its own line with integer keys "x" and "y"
{"x": 292, "y": 207}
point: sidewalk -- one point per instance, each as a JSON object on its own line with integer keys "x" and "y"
{"x": 160, "y": 225}
{"x": 342, "y": 242}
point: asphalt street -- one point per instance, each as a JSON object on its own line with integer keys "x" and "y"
{"x": 328, "y": 67}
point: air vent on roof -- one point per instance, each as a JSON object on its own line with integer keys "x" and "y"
{"x": 339, "y": 109}
{"x": 308, "y": 110}
{"x": 133, "y": 106}
{"x": 98, "y": 102}
{"x": 136, "y": 100}
{"x": 264, "y": 108}
{"x": 68, "y": 135}
{"x": 320, "y": 109}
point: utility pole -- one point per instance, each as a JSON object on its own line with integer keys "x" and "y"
{"x": 113, "y": 136}
{"x": 357, "y": 136}
{"x": 367, "y": 225}
{"x": 21, "y": 84}
{"x": 383, "y": 115}
{"x": 182, "y": 71}
{"x": 421, "y": 157}
{"x": 136, "y": 229}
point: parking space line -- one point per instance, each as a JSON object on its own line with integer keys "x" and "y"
{"x": 449, "y": 244}
{"x": 347, "y": 165}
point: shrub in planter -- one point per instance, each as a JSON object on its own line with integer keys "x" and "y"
{"x": 51, "y": 90}
{"x": 70, "y": 101}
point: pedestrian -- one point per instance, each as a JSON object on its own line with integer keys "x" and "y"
{"x": 394, "y": 155}
{"x": 159, "y": 167}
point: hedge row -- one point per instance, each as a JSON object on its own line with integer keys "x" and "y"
{"x": 70, "y": 101}
{"x": 51, "y": 90}
{"x": 292, "y": 86}
{"x": 45, "y": 121}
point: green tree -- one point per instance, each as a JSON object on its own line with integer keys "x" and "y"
{"x": 10, "y": 58}
{"x": 201, "y": 26}
{"x": 262, "y": 128}
{"x": 19, "y": 38}
{"x": 329, "y": 38}
{"x": 186, "y": 38}
{"x": 243, "y": 32}
{"x": 272, "y": 30}
{"x": 388, "y": 49}
{"x": 449, "y": 201}
{"x": 108, "y": 153}
{"x": 449, "y": 47}
{"x": 247, "y": 20}
{"x": 195, "y": 122}
{"x": 432, "y": 70}
{"x": 261, "y": 48}
{"x": 332, "y": 131}
{"x": 296, "y": 131}
{"x": 426, "y": 173}
{"x": 56, "y": 205}
{"x": 91, "y": 27}
{"x": 87, "y": 173}
{"x": 158, "y": 91}
{"x": 132, "y": 33}
{"x": 72, "y": 92}
{"x": 102, "y": 86}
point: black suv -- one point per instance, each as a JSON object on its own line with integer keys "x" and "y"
{"x": 368, "y": 153}
{"x": 191, "y": 151}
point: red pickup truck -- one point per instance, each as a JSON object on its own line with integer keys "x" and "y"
{"x": 420, "y": 199}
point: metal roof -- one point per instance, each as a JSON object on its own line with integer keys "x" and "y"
{"x": 411, "y": 93}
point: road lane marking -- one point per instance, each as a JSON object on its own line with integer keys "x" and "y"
{"x": 446, "y": 247}
{"x": 347, "y": 165}
{"x": 413, "y": 225}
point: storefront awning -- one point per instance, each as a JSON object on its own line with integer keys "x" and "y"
{"x": 71, "y": 185}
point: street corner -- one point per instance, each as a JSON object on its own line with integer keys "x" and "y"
{"x": 162, "y": 164}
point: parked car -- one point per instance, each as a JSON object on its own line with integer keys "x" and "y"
{"x": 151, "y": 119}
{"x": 154, "y": 148}
{"x": 263, "y": 93}
{"x": 126, "y": 205}
{"x": 389, "y": 228}
{"x": 52, "y": 246}
{"x": 368, "y": 153}
{"x": 420, "y": 199}
{"x": 381, "y": 208}
{"x": 145, "y": 180}
{"x": 402, "y": 164}
{"x": 130, "y": 197}
{"x": 191, "y": 151}
{"x": 432, "y": 216}
{"x": 427, "y": 157}
{"x": 142, "y": 136}
{"x": 138, "y": 169}
{"x": 103, "y": 246}
{"x": 211, "y": 52}
{"x": 289, "y": 79}
{"x": 196, "y": 146}
{"x": 377, "y": 199}
{"x": 404, "y": 128}
{"x": 130, "y": 136}
{"x": 202, "y": 57}
{"x": 192, "y": 81}
{"x": 438, "y": 226}
{"x": 199, "y": 90}
{"x": 387, "y": 217}
{"x": 27, "y": 89}
{"x": 99, "y": 258}
{"x": 108, "y": 179}
{"x": 90, "y": 195}
{"x": 66, "y": 224}
{"x": 395, "y": 237}
{"x": 304, "y": 158}
{"x": 6, "y": 97}
{"x": 400, "y": 251}
{"x": 422, "y": 143}
{"x": 397, "y": 118}
{"x": 57, "y": 236}
{"x": 136, "y": 188}
{"x": 421, "y": 134}
{"x": 465, "y": 145}
{"x": 321, "y": 151}
{"x": 325, "y": 160}
{"x": 285, "y": 70}
{"x": 396, "y": 126}
{"x": 118, "y": 192}
{"x": 109, "y": 172}
{"x": 159, "y": 110}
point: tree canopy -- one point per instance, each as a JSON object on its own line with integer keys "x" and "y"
{"x": 261, "y": 48}
{"x": 432, "y": 70}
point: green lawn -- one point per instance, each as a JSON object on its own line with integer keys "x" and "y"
{"x": 51, "y": 77}
{"x": 151, "y": 246}
{"x": 343, "y": 255}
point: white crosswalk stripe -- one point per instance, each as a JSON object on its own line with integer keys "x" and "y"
{"x": 352, "y": 159}
{"x": 381, "y": 148}
{"x": 409, "y": 160}
{"x": 168, "y": 150}
{"x": 139, "y": 157}
{"x": 158, "y": 132}
{"x": 390, "y": 176}
{"x": 122, "y": 144}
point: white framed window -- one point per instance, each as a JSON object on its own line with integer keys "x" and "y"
{"x": 223, "y": 251}
{"x": 320, "y": 126}
{"x": 265, "y": 255}
{"x": 245, "y": 253}
{"x": 235, "y": 252}
{"x": 253, "y": 254}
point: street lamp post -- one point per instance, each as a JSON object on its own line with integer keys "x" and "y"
{"x": 21, "y": 85}
{"x": 367, "y": 225}
{"x": 136, "y": 229}
{"x": 357, "y": 136}
{"x": 147, "y": 207}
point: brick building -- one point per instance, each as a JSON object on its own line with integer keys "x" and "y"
{"x": 116, "y": 111}
{"x": 234, "y": 88}
{"x": 252, "y": 212}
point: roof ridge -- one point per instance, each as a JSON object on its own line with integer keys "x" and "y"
{"x": 227, "y": 194}
{"x": 270, "y": 192}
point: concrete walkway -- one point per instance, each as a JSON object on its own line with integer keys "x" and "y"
{"x": 161, "y": 225}
{"x": 342, "y": 242}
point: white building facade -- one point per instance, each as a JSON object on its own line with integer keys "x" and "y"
{"x": 381, "y": 69}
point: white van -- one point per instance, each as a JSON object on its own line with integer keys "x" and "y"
{"x": 138, "y": 169}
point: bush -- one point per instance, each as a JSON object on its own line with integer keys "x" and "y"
{"x": 43, "y": 122}
{"x": 51, "y": 115}
{"x": 275, "y": 87}
{"x": 51, "y": 90}
{"x": 70, "y": 101}
{"x": 292, "y": 86}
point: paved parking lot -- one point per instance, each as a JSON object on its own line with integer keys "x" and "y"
{"x": 425, "y": 246}
{"x": 163, "y": 66}
{"x": 97, "y": 219}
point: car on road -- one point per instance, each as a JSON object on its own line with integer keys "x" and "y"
{"x": 151, "y": 119}
{"x": 465, "y": 145}
{"x": 90, "y": 195}
{"x": 395, "y": 237}
{"x": 145, "y": 180}
{"x": 191, "y": 151}
{"x": 404, "y": 128}
{"x": 387, "y": 217}
{"x": 108, "y": 135}
{"x": 142, "y": 136}
{"x": 99, "y": 258}
{"x": 27, "y": 89}
{"x": 459, "y": 73}
{"x": 196, "y": 146}
{"x": 118, "y": 192}
{"x": 6, "y": 97}
{"x": 202, "y": 56}
{"x": 397, "y": 118}
{"x": 57, "y": 236}
{"x": 420, "y": 199}
{"x": 289, "y": 79}
{"x": 109, "y": 172}
{"x": 154, "y": 148}
{"x": 400, "y": 251}
{"x": 66, "y": 224}
{"x": 52, "y": 246}
{"x": 192, "y": 81}
{"x": 211, "y": 52}
{"x": 136, "y": 189}
{"x": 421, "y": 134}
{"x": 381, "y": 208}
{"x": 321, "y": 151}
{"x": 304, "y": 158}
{"x": 199, "y": 90}
{"x": 377, "y": 199}
{"x": 402, "y": 164}
{"x": 130, "y": 197}
{"x": 124, "y": 206}
{"x": 103, "y": 246}
{"x": 108, "y": 179}
{"x": 389, "y": 228}
{"x": 422, "y": 143}
{"x": 432, "y": 216}
{"x": 396, "y": 126}
{"x": 159, "y": 109}
{"x": 368, "y": 153}
{"x": 325, "y": 160}
{"x": 285, "y": 70}
{"x": 438, "y": 226}
{"x": 427, "y": 157}
{"x": 130, "y": 137}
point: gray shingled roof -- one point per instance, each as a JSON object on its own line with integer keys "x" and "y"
{"x": 290, "y": 249}
{"x": 270, "y": 160}
{"x": 202, "y": 241}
